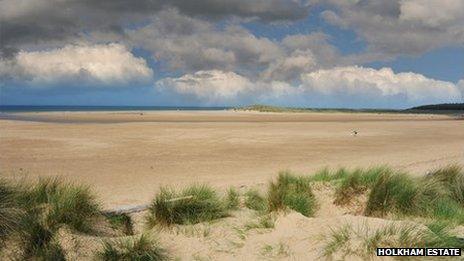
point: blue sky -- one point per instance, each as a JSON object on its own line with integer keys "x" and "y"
{"x": 376, "y": 54}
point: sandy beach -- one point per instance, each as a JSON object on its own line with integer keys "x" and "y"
{"x": 127, "y": 156}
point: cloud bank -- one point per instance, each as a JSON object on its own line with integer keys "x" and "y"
{"x": 31, "y": 22}
{"x": 96, "y": 65}
{"x": 352, "y": 86}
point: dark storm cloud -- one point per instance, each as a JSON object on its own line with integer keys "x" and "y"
{"x": 31, "y": 22}
{"x": 264, "y": 9}
{"x": 406, "y": 27}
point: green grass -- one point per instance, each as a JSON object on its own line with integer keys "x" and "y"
{"x": 64, "y": 203}
{"x": 325, "y": 175}
{"x": 349, "y": 183}
{"x": 356, "y": 182}
{"x": 440, "y": 236}
{"x": 434, "y": 196}
{"x": 438, "y": 195}
{"x": 122, "y": 222}
{"x": 37, "y": 240}
{"x": 393, "y": 193}
{"x": 363, "y": 241}
{"x": 336, "y": 240}
{"x": 292, "y": 192}
{"x": 264, "y": 221}
{"x": 10, "y": 212}
{"x": 254, "y": 200}
{"x": 232, "y": 199}
{"x": 453, "y": 178}
{"x": 192, "y": 205}
{"x": 133, "y": 249}
{"x": 39, "y": 209}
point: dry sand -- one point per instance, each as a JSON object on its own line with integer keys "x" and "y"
{"x": 127, "y": 156}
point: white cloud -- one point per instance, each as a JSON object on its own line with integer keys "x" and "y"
{"x": 222, "y": 87}
{"x": 461, "y": 88}
{"x": 434, "y": 13}
{"x": 359, "y": 83}
{"x": 353, "y": 86}
{"x": 99, "y": 65}
{"x": 211, "y": 86}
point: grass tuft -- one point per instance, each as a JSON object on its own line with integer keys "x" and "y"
{"x": 325, "y": 175}
{"x": 232, "y": 199}
{"x": 40, "y": 209}
{"x": 291, "y": 192}
{"x": 197, "y": 203}
{"x": 392, "y": 192}
{"x": 363, "y": 241}
{"x": 336, "y": 240}
{"x": 122, "y": 222}
{"x": 10, "y": 212}
{"x": 264, "y": 221}
{"x": 436, "y": 195}
{"x": 63, "y": 203}
{"x": 254, "y": 200}
{"x": 453, "y": 178}
{"x": 140, "y": 248}
{"x": 37, "y": 239}
{"x": 356, "y": 182}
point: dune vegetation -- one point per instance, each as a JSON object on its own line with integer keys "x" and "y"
{"x": 271, "y": 108}
{"x": 142, "y": 247}
{"x": 33, "y": 215}
{"x": 292, "y": 192}
{"x": 192, "y": 205}
{"x": 35, "y": 212}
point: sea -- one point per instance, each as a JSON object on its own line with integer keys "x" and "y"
{"x": 51, "y": 108}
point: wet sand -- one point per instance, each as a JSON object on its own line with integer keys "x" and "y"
{"x": 127, "y": 156}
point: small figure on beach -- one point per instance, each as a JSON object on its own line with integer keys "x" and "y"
{"x": 355, "y": 132}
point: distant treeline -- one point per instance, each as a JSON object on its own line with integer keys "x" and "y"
{"x": 443, "y": 106}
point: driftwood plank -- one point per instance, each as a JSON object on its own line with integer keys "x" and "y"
{"x": 127, "y": 209}
{"x": 138, "y": 208}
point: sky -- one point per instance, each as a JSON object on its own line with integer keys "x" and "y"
{"x": 304, "y": 53}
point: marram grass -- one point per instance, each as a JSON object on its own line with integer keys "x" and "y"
{"x": 293, "y": 192}
{"x": 40, "y": 209}
{"x": 143, "y": 248}
{"x": 64, "y": 203}
{"x": 254, "y": 200}
{"x": 10, "y": 211}
{"x": 347, "y": 241}
{"x": 434, "y": 196}
{"x": 232, "y": 199}
{"x": 192, "y": 205}
{"x": 121, "y": 222}
{"x": 439, "y": 195}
